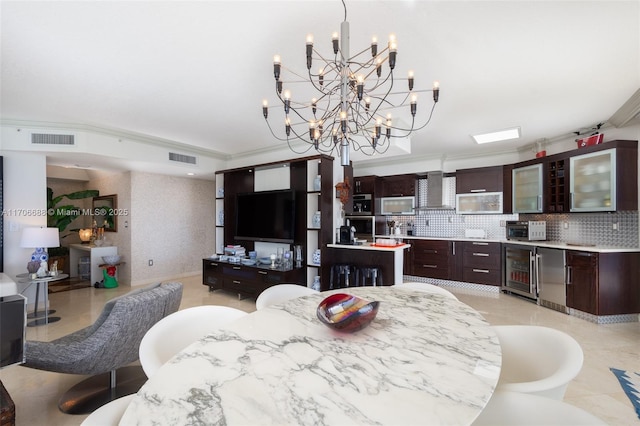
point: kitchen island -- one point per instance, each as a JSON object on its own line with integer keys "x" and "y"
{"x": 387, "y": 259}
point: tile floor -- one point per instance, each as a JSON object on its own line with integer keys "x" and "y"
{"x": 35, "y": 393}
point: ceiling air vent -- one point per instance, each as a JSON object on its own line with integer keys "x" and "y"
{"x": 181, "y": 158}
{"x": 50, "y": 139}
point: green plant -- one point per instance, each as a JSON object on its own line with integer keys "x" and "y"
{"x": 61, "y": 216}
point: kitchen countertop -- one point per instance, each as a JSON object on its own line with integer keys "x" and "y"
{"x": 370, "y": 246}
{"x": 549, "y": 244}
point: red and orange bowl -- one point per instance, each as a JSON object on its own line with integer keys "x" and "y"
{"x": 346, "y": 313}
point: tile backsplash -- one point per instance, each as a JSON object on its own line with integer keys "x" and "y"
{"x": 591, "y": 228}
{"x": 583, "y": 228}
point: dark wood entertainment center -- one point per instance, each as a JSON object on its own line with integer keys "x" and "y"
{"x": 251, "y": 280}
{"x": 246, "y": 280}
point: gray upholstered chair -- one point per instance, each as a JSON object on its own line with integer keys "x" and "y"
{"x": 100, "y": 349}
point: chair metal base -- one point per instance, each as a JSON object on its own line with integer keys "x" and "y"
{"x": 92, "y": 393}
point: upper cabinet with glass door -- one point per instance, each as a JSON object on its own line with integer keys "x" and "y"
{"x": 605, "y": 178}
{"x": 593, "y": 181}
{"x": 527, "y": 189}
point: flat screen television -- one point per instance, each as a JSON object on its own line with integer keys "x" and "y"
{"x": 268, "y": 216}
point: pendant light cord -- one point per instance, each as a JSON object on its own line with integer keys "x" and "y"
{"x": 345, "y": 10}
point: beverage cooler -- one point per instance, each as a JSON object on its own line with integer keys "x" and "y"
{"x": 520, "y": 270}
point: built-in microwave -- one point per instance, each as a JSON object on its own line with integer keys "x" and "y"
{"x": 365, "y": 226}
{"x": 362, "y": 204}
{"x": 526, "y": 230}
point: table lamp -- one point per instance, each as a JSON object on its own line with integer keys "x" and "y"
{"x": 39, "y": 238}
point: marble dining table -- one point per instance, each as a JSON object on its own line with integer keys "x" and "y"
{"x": 425, "y": 359}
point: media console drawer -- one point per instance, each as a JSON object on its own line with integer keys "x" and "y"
{"x": 246, "y": 280}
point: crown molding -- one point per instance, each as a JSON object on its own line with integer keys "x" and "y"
{"x": 118, "y": 133}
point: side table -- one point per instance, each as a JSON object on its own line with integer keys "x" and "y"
{"x": 7, "y": 408}
{"x": 22, "y": 278}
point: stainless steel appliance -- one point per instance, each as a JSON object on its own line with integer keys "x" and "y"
{"x": 520, "y": 271}
{"x": 526, "y": 230}
{"x": 362, "y": 204}
{"x": 551, "y": 271}
{"x": 364, "y": 226}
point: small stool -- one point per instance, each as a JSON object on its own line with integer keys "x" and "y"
{"x": 342, "y": 276}
{"x": 369, "y": 276}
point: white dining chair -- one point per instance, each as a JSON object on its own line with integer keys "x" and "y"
{"x": 281, "y": 293}
{"x": 521, "y": 409}
{"x": 178, "y": 330}
{"x": 429, "y": 288}
{"x": 110, "y": 413}
{"x": 537, "y": 360}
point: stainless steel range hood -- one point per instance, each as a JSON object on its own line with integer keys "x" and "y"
{"x": 438, "y": 197}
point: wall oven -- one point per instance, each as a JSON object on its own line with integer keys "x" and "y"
{"x": 362, "y": 204}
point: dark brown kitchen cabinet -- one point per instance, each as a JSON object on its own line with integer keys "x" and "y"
{"x": 399, "y": 185}
{"x": 366, "y": 185}
{"x": 582, "y": 281}
{"x": 481, "y": 262}
{"x": 407, "y": 259}
{"x": 483, "y": 179}
{"x": 604, "y": 177}
{"x": 433, "y": 259}
{"x": 556, "y": 184}
{"x": 603, "y": 283}
{"x": 486, "y": 179}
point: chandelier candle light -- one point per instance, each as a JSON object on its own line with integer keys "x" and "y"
{"x": 353, "y": 100}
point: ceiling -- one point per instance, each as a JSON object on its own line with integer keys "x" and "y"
{"x": 196, "y": 73}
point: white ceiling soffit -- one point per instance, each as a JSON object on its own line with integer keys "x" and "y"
{"x": 629, "y": 111}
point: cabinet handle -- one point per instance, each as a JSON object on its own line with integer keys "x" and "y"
{"x": 430, "y": 266}
{"x": 481, "y": 254}
{"x": 236, "y": 282}
{"x": 476, "y": 243}
{"x": 237, "y": 268}
{"x": 429, "y": 251}
{"x": 569, "y": 275}
{"x": 484, "y": 271}
{"x": 478, "y": 190}
{"x": 571, "y": 201}
{"x": 213, "y": 264}
{"x": 262, "y": 272}
{"x": 539, "y": 203}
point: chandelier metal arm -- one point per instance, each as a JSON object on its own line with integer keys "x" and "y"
{"x": 344, "y": 106}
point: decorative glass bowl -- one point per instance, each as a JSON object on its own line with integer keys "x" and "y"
{"x": 346, "y": 313}
{"x": 111, "y": 260}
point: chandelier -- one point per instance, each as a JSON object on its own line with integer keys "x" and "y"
{"x": 353, "y": 101}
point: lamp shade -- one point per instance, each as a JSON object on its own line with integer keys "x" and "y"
{"x": 40, "y": 237}
{"x": 85, "y": 235}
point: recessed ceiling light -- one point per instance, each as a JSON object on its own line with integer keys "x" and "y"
{"x": 191, "y": 174}
{"x": 500, "y": 135}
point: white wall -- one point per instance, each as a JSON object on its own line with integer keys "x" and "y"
{"x": 172, "y": 222}
{"x": 24, "y": 191}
